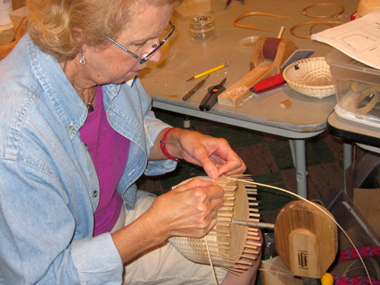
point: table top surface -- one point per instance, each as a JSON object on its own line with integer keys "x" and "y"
{"x": 187, "y": 57}
{"x": 353, "y": 131}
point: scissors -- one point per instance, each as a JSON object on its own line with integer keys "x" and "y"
{"x": 212, "y": 96}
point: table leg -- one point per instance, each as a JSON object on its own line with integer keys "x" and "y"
{"x": 347, "y": 161}
{"x": 299, "y": 157}
{"x": 292, "y": 145}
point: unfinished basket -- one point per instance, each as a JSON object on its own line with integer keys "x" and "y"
{"x": 233, "y": 247}
{"x": 310, "y": 77}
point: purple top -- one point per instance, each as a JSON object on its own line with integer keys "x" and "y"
{"x": 109, "y": 152}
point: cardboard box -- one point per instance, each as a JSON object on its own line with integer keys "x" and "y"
{"x": 366, "y": 202}
{"x": 274, "y": 272}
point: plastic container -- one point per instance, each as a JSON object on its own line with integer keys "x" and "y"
{"x": 357, "y": 89}
{"x": 5, "y": 9}
{"x": 248, "y": 42}
{"x": 202, "y": 27}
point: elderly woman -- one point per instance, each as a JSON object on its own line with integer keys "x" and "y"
{"x": 76, "y": 132}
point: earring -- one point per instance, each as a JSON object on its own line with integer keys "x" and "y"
{"x": 82, "y": 59}
{"x": 154, "y": 45}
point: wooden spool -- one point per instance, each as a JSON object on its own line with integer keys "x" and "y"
{"x": 306, "y": 239}
{"x": 273, "y": 50}
{"x": 233, "y": 247}
{"x": 266, "y": 60}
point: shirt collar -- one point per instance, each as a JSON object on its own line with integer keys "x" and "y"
{"x": 59, "y": 90}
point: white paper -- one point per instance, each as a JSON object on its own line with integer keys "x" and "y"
{"x": 359, "y": 39}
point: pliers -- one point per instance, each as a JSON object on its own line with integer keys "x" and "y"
{"x": 212, "y": 96}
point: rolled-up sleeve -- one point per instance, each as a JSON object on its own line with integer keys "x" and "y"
{"x": 157, "y": 167}
{"x": 100, "y": 266}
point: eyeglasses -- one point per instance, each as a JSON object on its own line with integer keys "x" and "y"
{"x": 155, "y": 46}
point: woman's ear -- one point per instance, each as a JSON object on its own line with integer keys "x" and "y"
{"x": 77, "y": 34}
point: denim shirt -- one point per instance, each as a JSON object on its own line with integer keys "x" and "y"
{"x": 49, "y": 188}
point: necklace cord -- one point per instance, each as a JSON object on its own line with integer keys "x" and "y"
{"x": 89, "y": 105}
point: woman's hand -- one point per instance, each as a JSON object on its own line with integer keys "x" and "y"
{"x": 215, "y": 155}
{"x": 188, "y": 210}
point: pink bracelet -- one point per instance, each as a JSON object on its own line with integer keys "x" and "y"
{"x": 163, "y": 147}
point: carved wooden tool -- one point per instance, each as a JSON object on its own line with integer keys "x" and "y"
{"x": 306, "y": 239}
{"x": 266, "y": 60}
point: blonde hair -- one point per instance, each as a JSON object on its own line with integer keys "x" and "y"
{"x": 61, "y": 27}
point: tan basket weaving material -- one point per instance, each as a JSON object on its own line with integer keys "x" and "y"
{"x": 310, "y": 77}
{"x": 231, "y": 246}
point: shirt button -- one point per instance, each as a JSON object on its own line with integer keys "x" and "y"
{"x": 71, "y": 128}
{"x": 95, "y": 194}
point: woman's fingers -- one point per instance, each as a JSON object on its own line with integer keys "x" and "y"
{"x": 190, "y": 209}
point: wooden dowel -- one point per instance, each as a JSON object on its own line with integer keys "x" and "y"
{"x": 244, "y": 262}
{"x": 253, "y": 230}
{"x": 251, "y": 251}
{"x": 281, "y": 32}
{"x": 230, "y": 209}
{"x": 254, "y": 244}
{"x": 229, "y": 198}
{"x": 224, "y": 219}
{"x": 252, "y": 257}
{"x": 220, "y": 234}
{"x": 251, "y": 246}
{"x": 220, "y": 214}
{"x": 222, "y": 224}
{"x": 256, "y": 238}
{"x": 222, "y": 230}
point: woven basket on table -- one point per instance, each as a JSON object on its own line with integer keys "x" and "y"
{"x": 310, "y": 77}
